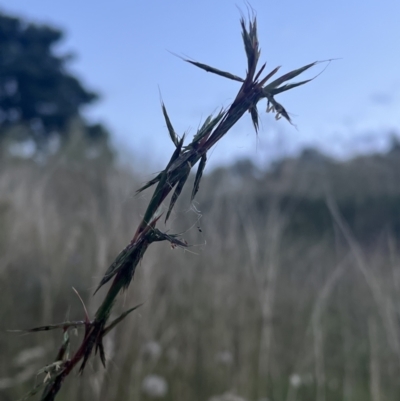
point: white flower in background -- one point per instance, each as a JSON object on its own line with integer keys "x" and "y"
{"x": 152, "y": 350}
{"x": 295, "y": 380}
{"x": 224, "y": 358}
{"x": 154, "y": 386}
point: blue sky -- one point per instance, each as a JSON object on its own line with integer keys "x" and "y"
{"x": 122, "y": 50}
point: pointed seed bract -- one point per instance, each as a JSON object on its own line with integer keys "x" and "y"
{"x": 199, "y": 174}
{"x": 207, "y": 68}
{"x": 171, "y": 131}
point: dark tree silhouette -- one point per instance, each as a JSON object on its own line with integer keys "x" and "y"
{"x": 36, "y": 89}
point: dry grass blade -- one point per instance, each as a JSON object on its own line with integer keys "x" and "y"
{"x": 248, "y": 46}
{"x": 176, "y": 153}
{"x": 287, "y": 87}
{"x": 199, "y": 174}
{"x": 119, "y": 319}
{"x": 100, "y": 350}
{"x": 149, "y": 184}
{"x": 208, "y": 126}
{"x": 161, "y": 176}
{"x": 90, "y": 341}
{"x": 118, "y": 263}
{"x": 171, "y": 130}
{"x": 63, "y": 352}
{"x": 260, "y": 71}
{"x": 83, "y": 305}
{"x": 128, "y": 269}
{"x": 251, "y": 46}
{"x": 254, "y": 117}
{"x": 288, "y": 76}
{"x": 64, "y": 325}
{"x": 207, "y": 68}
{"x": 268, "y": 76}
{"x": 184, "y": 176}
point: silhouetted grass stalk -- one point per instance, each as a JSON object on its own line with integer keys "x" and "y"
{"x": 254, "y": 87}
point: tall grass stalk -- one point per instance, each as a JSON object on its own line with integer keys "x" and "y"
{"x": 254, "y": 87}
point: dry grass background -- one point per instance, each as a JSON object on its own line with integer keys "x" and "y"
{"x": 290, "y": 292}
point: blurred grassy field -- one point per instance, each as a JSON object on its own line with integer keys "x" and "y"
{"x": 291, "y": 290}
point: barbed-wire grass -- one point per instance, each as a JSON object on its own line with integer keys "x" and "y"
{"x": 254, "y": 88}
